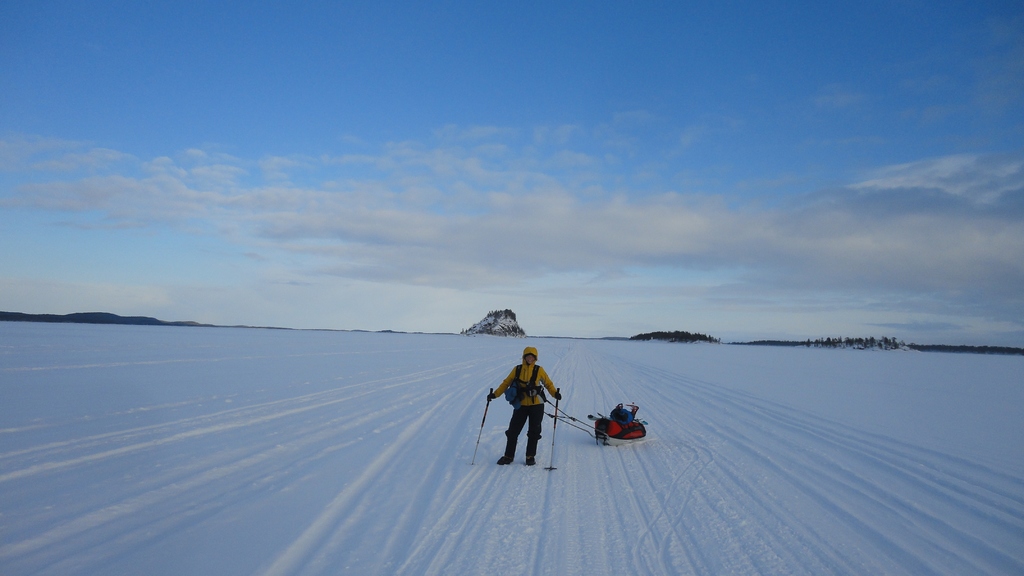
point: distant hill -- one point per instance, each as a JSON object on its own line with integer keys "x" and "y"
{"x": 91, "y": 318}
{"x": 497, "y": 323}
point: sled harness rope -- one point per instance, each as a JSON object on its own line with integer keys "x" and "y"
{"x": 569, "y": 420}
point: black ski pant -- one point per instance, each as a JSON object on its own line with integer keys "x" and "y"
{"x": 535, "y": 414}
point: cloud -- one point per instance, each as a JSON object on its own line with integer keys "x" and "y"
{"x": 277, "y": 168}
{"x": 28, "y": 153}
{"x": 92, "y": 159}
{"x": 218, "y": 175}
{"x": 691, "y": 135}
{"x": 123, "y": 199}
{"x": 622, "y": 133}
{"x": 455, "y": 133}
{"x": 922, "y": 326}
{"x": 854, "y": 242}
{"x": 556, "y": 135}
{"x": 58, "y": 297}
{"x": 950, "y": 228}
{"x": 981, "y": 178}
{"x": 837, "y": 96}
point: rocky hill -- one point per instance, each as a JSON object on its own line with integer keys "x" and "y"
{"x": 497, "y": 323}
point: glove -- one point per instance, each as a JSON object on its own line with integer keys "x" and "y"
{"x": 490, "y": 396}
{"x": 558, "y": 394}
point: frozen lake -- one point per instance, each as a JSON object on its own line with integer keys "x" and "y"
{"x": 165, "y": 450}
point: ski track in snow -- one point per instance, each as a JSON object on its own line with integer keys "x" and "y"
{"x": 350, "y": 453}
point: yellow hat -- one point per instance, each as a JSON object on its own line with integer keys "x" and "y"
{"x": 530, "y": 350}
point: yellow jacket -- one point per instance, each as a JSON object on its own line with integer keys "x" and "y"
{"x": 524, "y": 377}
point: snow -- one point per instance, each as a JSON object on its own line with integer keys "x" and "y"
{"x": 165, "y": 450}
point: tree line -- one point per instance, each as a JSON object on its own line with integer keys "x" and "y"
{"x": 885, "y": 343}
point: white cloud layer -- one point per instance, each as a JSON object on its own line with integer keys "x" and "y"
{"x": 474, "y": 213}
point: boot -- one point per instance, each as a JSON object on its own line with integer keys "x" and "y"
{"x": 504, "y": 460}
{"x": 530, "y": 460}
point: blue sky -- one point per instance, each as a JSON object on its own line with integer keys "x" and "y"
{"x": 743, "y": 169}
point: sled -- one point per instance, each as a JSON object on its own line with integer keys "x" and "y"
{"x": 620, "y": 427}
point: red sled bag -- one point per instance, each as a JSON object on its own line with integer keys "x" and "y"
{"x": 621, "y": 427}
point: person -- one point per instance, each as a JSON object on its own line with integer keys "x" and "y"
{"x": 531, "y": 406}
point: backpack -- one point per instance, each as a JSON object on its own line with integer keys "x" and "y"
{"x": 515, "y": 393}
{"x": 621, "y": 415}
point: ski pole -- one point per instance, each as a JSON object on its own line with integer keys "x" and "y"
{"x": 554, "y": 427}
{"x": 482, "y": 426}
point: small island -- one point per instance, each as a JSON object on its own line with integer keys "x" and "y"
{"x": 677, "y": 336}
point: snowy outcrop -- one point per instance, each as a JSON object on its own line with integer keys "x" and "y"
{"x": 497, "y": 323}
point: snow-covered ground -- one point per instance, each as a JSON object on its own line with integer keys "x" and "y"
{"x": 159, "y": 450}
